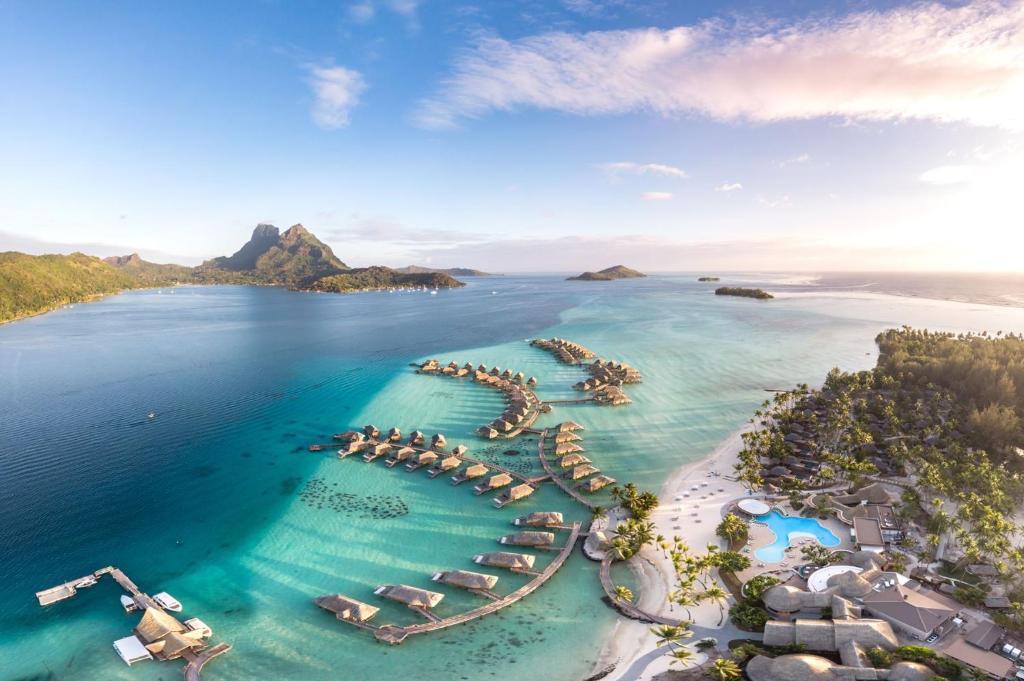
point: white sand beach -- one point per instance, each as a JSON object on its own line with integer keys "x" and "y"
{"x": 691, "y": 502}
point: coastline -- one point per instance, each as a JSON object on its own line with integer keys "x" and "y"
{"x": 631, "y": 646}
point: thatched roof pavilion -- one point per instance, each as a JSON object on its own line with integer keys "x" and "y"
{"x": 412, "y": 596}
{"x": 505, "y": 559}
{"x": 394, "y": 434}
{"x": 529, "y": 538}
{"x": 487, "y": 432}
{"x": 496, "y": 481}
{"x": 475, "y": 471}
{"x": 155, "y": 624}
{"x": 594, "y": 484}
{"x": 346, "y": 608}
{"x": 427, "y": 458}
{"x": 438, "y": 441}
{"x": 459, "y": 450}
{"x": 416, "y": 438}
{"x": 464, "y": 579}
{"x": 520, "y": 492}
{"x": 573, "y": 460}
{"x": 531, "y": 381}
{"x": 569, "y": 426}
{"x": 567, "y": 448}
{"x": 799, "y": 667}
{"x": 541, "y": 519}
{"x": 562, "y": 438}
{"x": 450, "y": 462}
{"x": 172, "y": 646}
{"x": 580, "y": 472}
{"x": 371, "y": 431}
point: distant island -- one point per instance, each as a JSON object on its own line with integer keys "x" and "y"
{"x": 609, "y": 274}
{"x": 34, "y": 284}
{"x": 757, "y": 293}
{"x": 708, "y": 279}
{"x": 451, "y": 271}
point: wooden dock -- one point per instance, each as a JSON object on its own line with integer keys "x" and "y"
{"x": 580, "y": 400}
{"x": 394, "y": 634}
{"x": 194, "y": 663}
{"x": 628, "y": 609}
{"x": 557, "y": 479}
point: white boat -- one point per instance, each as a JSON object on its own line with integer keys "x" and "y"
{"x": 128, "y": 603}
{"x": 167, "y": 601}
{"x": 196, "y": 624}
{"x": 434, "y": 292}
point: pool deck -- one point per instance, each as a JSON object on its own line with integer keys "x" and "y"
{"x": 761, "y": 536}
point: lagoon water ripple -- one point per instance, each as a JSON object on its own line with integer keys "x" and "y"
{"x": 215, "y": 499}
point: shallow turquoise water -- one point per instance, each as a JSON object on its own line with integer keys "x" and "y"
{"x": 786, "y": 528}
{"x": 217, "y": 501}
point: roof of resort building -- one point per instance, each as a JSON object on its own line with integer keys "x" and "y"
{"x": 567, "y": 448}
{"x": 405, "y": 452}
{"x": 819, "y": 580}
{"x": 583, "y": 471}
{"x": 410, "y": 595}
{"x": 520, "y": 492}
{"x": 864, "y": 559}
{"x": 996, "y": 665}
{"x": 868, "y": 532}
{"x": 914, "y": 609}
{"x": 173, "y": 644}
{"x": 476, "y": 470}
{"x": 850, "y": 584}
{"x": 347, "y": 608}
{"x": 506, "y": 559}
{"x": 786, "y": 598}
{"x": 541, "y": 518}
{"x": 529, "y": 538}
{"x": 753, "y": 507}
{"x": 459, "y": 450}
{"x": 566, "y": 437}
{"x": 498, "y": 480}
{"x": 799, "y": 667}
{"x": 573, "y": 460}
{"x": 830, "y": 635}
{"x": 569, "y": 426}
{"x": 427, "y": 457}
{"x": 983, "y": 570}
{"x": 450, "y": 462}
{"x": 156, "y": 624}
{"x": 984, "y": 635}
{"x": 596, "y": 483}
{"x": 875, "y": 493}
{"x": 466, "y": 579}
{"x": 910, "y": 671}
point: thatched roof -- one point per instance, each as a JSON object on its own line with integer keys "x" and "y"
{"x": 450, "y": 462}
{"x": 380, "y": 449}
{"x": 529, "y": 538}
{"x": 566, "y": 437}
{"x": 347, "y": 608}
{"x": 426, "y": 457}
{"x": 850, "y": 584}
{"x": 405, "y": 453}
{"x": 501, "y": 425}
{"x": 573, "y": 460}
{"x": 800, "y": 667}
{"x": 505, "y": 559}
{"x": 476, "y": 470}
{"x": 410, "y": 595}
{"x": 459, "y": 450}
{"x": 785, "y": 598}
{"x": 487, "y": 431}
{"x": 155, "y": 624}
{"x": 567, "y": 448}
{"x": 415, "y": 437}
{"x": 583, "y": 471}
{"x": 394, "y": 432}
{"x": 541, "y": 519}
{"x": 569, "y": 426}
{"x": 466, "y": 579}
{"x": 910, "y": 671}
{"x": 594, "y": 484}
{"x": 498, "y": 480}
{"x": 439, "y": 440}
{"x": 371, "y": 430}
{"x": 520, "y": 492}
{"x": 173, "y": 645}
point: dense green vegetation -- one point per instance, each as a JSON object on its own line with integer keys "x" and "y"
{"x": 381, "y": 277}
{"x": 757, "y": 293}
{"x": 32, "y": 284}
{"x": 149, "y": 273}
{"x": 609, "y": 274}
{"x": 452, "y": 271}
{"x": 295, "y": 258}
{"x": 708, "y": 279}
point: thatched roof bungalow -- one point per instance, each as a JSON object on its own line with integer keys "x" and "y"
{"x": 529, "y": 538}
{"x": 568, "y": 448}
{"x": 349, "y": 436}
{"x": 449, "y": 462}
{"x": 569, "y": 426}
{"x": 394, "y": 434}
{"x": 487, "y": 432}
{"x": 573, "y": 460}
{"x": 356, "y": 446}
{"x": 514, "y": 494}
{"x": 531, "y": 381}
{"x": 562, "y": 438}
{"x": 380, "y": 449}
{"x": 459, "y": 450}
{"x": 371, "y": 431}
{"x": 594, "y": 484}
{"x": 580, "y": 472}
{"x": 416, "y": 438}
{"x": 495, "y": 371}
{"x": 507, "y": 373}
{"x": 464, "y": 579}
{"x": 505, "y": 559}
{"x": 410, "y": 595}
{"x": 426, "y": 458}
{"x": 540, "y": 519}
{"x": 345, "y": 608}
{"x": 496, "y": 481}
{"x": 438, "y": 441}
{"x": 501, "y": 425}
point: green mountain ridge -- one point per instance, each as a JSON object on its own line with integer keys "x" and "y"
{"x": 451, "y": 271}
{"x": 609, "y": 274}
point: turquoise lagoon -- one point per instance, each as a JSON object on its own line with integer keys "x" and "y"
{"x": 786, "y": 528}
{"x": 216, "y": 500}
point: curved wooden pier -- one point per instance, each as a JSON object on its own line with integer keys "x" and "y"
{"x": 194, "y": 666}
{"x": 557, "y": 479}
{"x": 395, "y": 634}
{"x": 628, "y": 609}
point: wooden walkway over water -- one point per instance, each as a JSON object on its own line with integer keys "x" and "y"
{"x": 396, "y": 634}
{"x": 194, "y": 663}
{"x": 628, "y": 609}
{"x": 557, "y": 479}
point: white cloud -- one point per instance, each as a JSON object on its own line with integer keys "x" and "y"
{"x": 336, "y": 92}
{"x": 729, "y": 187}
{"x": 924, "y": 61}
{"x": 631, "y": 168}
{"x": 361, "y": 12}
{"x": 656, "y": 196}
{"x": 943, "y": 175}
{"x": 799, "y": 158}
{"x": 774, "y": 202}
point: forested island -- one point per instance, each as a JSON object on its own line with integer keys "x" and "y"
{"x": 941, "y": 416}
{"x": 34, "y": 284}
{"x": 757, "y": 293}
{"x": 609, "y": 274}
{"x": 708, "y": 279}
{"x": 451, "y": 271}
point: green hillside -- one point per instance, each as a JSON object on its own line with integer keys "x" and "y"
{"x": 382, "y": 277}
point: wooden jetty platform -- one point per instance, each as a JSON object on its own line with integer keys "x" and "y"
{"x": 195, "y": 662}
{"x": 580, "y": 400}
{"x": 557, "y": 479}
{"x": 628, "y": 609}
{"x": 394, "y": 634}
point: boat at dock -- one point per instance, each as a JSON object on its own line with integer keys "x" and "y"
{"x": 167, "y": 601}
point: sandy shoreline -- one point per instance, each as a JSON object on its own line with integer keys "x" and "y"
{"x": 689, "y": 514}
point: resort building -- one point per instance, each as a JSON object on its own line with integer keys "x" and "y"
{"x": 345, "y": 608}
{"x": 541, "y": 519}
{"x": 164, "y": 636}
{"x": 529, "y": 538}
{"x": 867, "y": 534}
{"x": 805, "y": 667}
{"x": 517, "y": 562}
{"x": 916, "y": 613}
{"x": 596, "y": 483}
{"x": 409, "y": 595}
{"x": 464, "y": 579}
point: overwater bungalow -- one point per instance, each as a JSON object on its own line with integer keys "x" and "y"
{"x": 410, "y": 595}
{"x": 540, "y": 519}
{"x": 487, "y": 432}
{"x": 424, "y": 459}
{"x": 580, "y": 472}
{"x": 460, "y": 372}
{"x": 437, "y": 441}
{"x": 496, "y": 481}
{"x": 394, "y": 434}
{"x": 356, "y": 446}
{"x": 474, "y": 471}
{"x": 518, "y": 378}
{"x": 501, "y": 425}
{"x": 376, "y": 451}
{"x": 529, "y": 538}
{"x": 459, "y": 450}
{"x": 562, "y": 438}
{"x": 345, "y": 608}
{"x": 164, "y": 636}
{"x": 480, "y": 376}
{"x": 573, "y": 460}
{"x": 482, "y": 369}
{"x": 594, "y": 484}
{"x": 568, "y": 448}
{"x": 349, "y": 436}
{"x": 513, "y": 494}
{"x": 416, "y": 438}
{"x": 444, "y": 465}
{"x": 569, "y": 427}
{"x": 429, "y": 365}
{"x": 531, "y": 381}
{"x": 464, "y": 579}
{"x": 507, "y": 373}
{"x": 371, "y": 431}
{"x": 495, "y": 372}
{"x": 468, "y": 366}
{"x": 517, "y": 562}
{"x": 403, "y": 454}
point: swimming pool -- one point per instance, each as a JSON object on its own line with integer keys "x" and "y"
{"x": 786, "y": 529}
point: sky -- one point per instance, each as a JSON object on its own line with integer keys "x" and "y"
{"x": 562, "y": 135}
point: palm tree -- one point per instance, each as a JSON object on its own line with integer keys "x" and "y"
{"x": 598, "y": 512}
{"x": 719, "y": 596}
{"x": 682, "y": 656}
{"x": 724, "y": 670}
{"x": 624, "y": 594}
{"x": 670, "y": 634}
